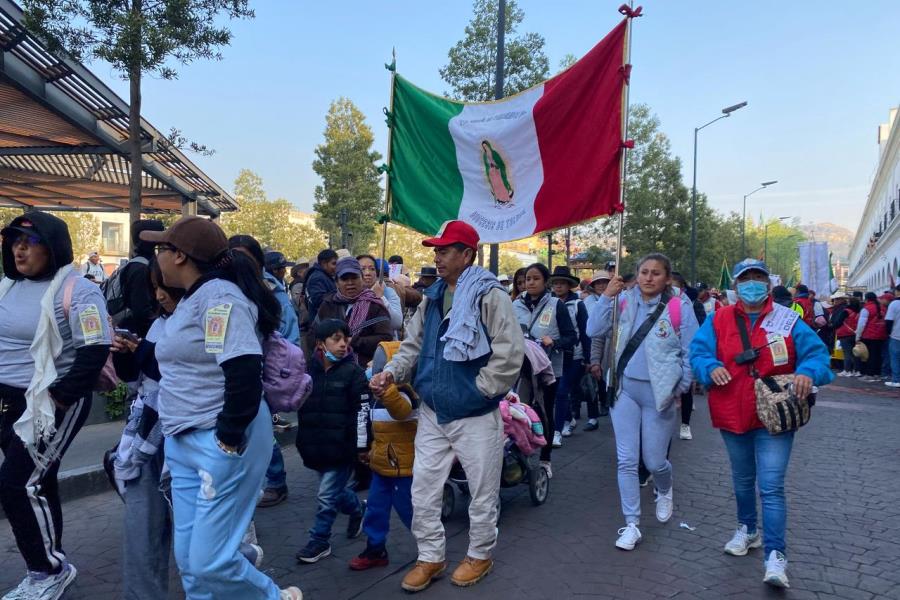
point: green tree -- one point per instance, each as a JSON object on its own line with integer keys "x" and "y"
{"x": 472, "y": 67}
{"x": 269, "y": 221}
{"x": 84, "y": 229}
{"x": 135, "y": 37}
{"x": 350, "y": 177}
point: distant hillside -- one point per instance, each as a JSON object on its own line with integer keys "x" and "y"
{"x": 839, "y": 238}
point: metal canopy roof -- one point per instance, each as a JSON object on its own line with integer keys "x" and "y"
{"x": 64, "y": 138}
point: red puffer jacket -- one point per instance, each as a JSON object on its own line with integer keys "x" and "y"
{"x": 733, "y": 406}
{"x": 848, "y": 327}
{"x": 875, "y": 328}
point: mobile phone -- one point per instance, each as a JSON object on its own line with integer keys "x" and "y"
{"x": 127, "y": 335}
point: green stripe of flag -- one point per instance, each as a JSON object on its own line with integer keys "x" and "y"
{"x": 423, "y": 159}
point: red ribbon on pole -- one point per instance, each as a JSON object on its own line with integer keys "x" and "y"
{"x": 626, "y": 73}
{"x": 628, "y": 144}
{"x": 631, "y": 13}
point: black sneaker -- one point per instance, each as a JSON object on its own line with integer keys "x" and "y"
{"x": 313, "y": 551}
{"x": 355, "y": 524}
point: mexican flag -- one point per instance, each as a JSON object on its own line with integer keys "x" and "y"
{"x": 542, "y": 159}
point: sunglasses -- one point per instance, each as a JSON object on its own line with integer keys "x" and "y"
{"x": 28, "y": 240}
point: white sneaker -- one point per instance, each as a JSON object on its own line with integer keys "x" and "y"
{"x": 843, "y": 374}
{"x": 291, "y": 593}
{"x": 629, "y": 537}
{"x": 891, "y": 384}
{"x": 855, "y": 374}
{"x": 545, "y": 464}
{"x": 685, "y": 433}
{"x": 647, "y": 481}
{"x": 776, "y": 570}
{"x": 567, "y": 430}
{"x": 51, "y": 587}
{"x": 664, "y": 506}
{"x": 573, "y": 423}
{"x": 742, "y": 542}
{"x": 557, "y": 439}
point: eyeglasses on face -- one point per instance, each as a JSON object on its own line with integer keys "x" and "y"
{"x": 27, "y": 239}
{"x": 160, "y": 248}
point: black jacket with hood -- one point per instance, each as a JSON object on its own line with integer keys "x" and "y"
{"x": 54, "y": 233}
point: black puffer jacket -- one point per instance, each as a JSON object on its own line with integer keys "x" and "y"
{"x": 328, "y": 436}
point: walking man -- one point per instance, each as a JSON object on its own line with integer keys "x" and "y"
{"x": 468, "y": 349}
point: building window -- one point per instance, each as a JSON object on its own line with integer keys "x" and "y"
{"x": 114, "y": 241}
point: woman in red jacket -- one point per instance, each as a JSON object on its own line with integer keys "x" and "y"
{"x": 786, "y": 345}
{"x": 844, "y": 319}
{"x": 872, "y": 331}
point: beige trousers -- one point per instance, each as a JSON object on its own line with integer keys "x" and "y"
{"x": 478, "y": 444}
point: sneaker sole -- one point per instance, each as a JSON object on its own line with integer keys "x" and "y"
{"x": 418, "y": 588}
{"x": 626, "y": 547}
{"x": 667, "y": 519}
{"x": 73, "y": 572}
{"x": 776, "y": 582}
{"x": 312, "y": 559}
{"x": 271, "y": 503}
{"x": 458, "y": 583}
{"x": 750, "y": 546}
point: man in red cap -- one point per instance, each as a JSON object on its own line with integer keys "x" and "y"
{"x": 467, "y": 348}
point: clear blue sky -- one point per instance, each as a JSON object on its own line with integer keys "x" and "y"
{"x": 819, "y": 77}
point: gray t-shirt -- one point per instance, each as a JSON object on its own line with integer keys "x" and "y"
{"x": 214, "y": 324}
{"x": 20, "y": 311}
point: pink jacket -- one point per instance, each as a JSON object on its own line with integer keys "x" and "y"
{"x": 522, "y": 424}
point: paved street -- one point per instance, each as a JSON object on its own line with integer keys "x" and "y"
{"x": 842, "y": 538}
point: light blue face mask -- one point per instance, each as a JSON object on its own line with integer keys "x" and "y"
{"x": 331, "y": 356}
{"x": 753, "y": 292}
{"x": 369, "y": 373}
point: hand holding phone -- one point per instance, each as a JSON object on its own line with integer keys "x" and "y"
{"x": 124, "y": 333}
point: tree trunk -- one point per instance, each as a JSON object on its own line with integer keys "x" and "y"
{"x": 134, "y": 123}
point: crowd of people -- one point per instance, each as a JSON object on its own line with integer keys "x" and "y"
{"x": 393, "y": 382}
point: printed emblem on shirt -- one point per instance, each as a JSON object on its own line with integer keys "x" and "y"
{"x": 778, "y": 348}
{"x": 91, "y": 325}
{"x": 780, "y": 321}
{"x": 662, "y": 329}
{"x": 216, "y": 327}
{"x": 546, "y": 317}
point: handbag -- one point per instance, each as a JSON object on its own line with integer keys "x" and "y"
{"x": 777, "y": 407}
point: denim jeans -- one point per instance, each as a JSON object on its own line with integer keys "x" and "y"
{"x": 569, "y": 388}
{"x": 894, "y": 351}
{"x": 276, "y": 478}
{"x": 760, "y": 458}
{"x": 214, "y": 495}
{"x": 335, "y": 495}
{"x": 384, "y": 493}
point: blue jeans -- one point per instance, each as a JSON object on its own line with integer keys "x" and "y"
{"x": 569, "y": 386}
{"x": 385, "y": 492}
{"x": 214, "y": 495}
{"x": 894, "y": 352}
{"x": 334, "y": 496}
{"x": 276, "y": 478}
{"x": 758, "y": 457}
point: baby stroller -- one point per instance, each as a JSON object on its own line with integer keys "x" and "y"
{"x": 524, "y": 434}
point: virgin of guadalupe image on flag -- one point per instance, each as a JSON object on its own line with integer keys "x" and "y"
{"x": 495, "y": 170}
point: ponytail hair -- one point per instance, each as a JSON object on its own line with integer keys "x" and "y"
{"x": 238, "y": 268}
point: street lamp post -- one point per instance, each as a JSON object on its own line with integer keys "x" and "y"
{"x": 766, "y": 239}
{"x": 726, "y": 112}
{"x": 762, "y": 186}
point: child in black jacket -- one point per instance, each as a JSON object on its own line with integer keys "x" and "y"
{"x": 332, "y": 434}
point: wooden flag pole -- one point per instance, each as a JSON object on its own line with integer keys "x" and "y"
{"x": 389, "y": 113}
{"x": 612, "y": 383}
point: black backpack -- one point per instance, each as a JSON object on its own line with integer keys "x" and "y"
{"x": 115, "y": 293}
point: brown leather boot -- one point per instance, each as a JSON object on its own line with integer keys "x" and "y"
{"x": 471, "y": 570}
{"x": 421, "y": 575}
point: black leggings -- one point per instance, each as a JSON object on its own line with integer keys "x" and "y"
{"x": 546, "y": 416}
{"x": 872, "y": 367}
{"x": 687, "y": 407}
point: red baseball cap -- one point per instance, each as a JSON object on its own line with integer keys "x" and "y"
{"x": 453, "y": 232}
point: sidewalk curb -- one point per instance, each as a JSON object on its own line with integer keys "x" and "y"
{"x": 87, "y": 481}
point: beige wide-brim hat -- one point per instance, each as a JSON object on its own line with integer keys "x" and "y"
{"x": 861, "y": 352}
{"x": 600, "y": 276}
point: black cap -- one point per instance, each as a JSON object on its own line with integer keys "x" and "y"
{"x": 276, "y": 260}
